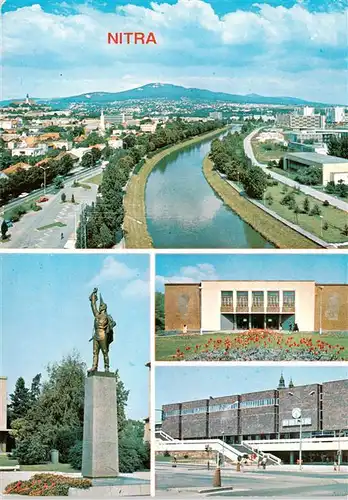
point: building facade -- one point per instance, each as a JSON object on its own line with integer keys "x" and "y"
{"x": 262, "y": 415}
{"x": 333, "y": 168}
{"x": 212, "y": 306}
{"x": 3, "y": 414}
{"x": 293, "y": 120}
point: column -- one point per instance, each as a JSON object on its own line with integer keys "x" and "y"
{"x": 292, "y": 457}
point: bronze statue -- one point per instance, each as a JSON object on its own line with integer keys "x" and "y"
{"x": 103, "y": 331}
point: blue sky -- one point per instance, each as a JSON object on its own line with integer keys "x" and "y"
{"x": 323, "y": 268}
{"x": 46, "y": 314}
{"x": 175, "y": 384}
{"x": 293, "y": 48}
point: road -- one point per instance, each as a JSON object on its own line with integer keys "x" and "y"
{"x": 335, "y": 202}
{"x": 91, "y": 172}
{"x": 274, "y": 482}
{"x": 25, "y": 232}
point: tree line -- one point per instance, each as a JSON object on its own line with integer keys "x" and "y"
{"x": 49, "y": 415}
{"x": 229, "y": 158}
{"x": 101, "y": 223}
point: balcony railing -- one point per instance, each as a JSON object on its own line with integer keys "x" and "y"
{"x": 242, "y": 307}
{"x": 258, "y": 306}
{"x": 227, "y": 306}
{"x": 273, "y": 308}
{"x": 288, "y": 306}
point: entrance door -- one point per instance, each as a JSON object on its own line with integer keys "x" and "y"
{"x": 272, "y": 321}
{"x": 257, "y": 321}
{"x": 242, "y": 321}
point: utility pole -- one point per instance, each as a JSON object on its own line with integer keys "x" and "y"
{"x": 44, "y": 169}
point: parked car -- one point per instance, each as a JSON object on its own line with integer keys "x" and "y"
{"x": 23, "y": 195}
{"x": 42, "y": 199}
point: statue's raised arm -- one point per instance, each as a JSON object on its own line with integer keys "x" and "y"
{"x": 93, "y": 298}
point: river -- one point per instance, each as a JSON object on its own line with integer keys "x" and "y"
{"x": 182, "y": 210}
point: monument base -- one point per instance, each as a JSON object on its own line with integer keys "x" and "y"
{"x": 122, "y": 486}
{"x": 100, "y": 438}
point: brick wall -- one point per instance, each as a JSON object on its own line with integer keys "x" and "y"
{"x": 226, "y": 421}
{"x": 171, "y": 425}
{"x": 334, "y": 314}
{"x": 194, "y": 425}
{"x": 303, "y": 400}
{"x": 335, "y": 405}
{"x": 258, "y": 420}
{"x": 182, "y": 306}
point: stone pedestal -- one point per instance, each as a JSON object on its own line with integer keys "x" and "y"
{"x": 100, "y": 439}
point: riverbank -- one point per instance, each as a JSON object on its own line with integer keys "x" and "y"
{"x": 134, "y": 225}
{"x": 274, "y": 231}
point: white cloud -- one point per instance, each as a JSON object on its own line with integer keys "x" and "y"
{"x": 265, "y": 43}
{"x": 113, "y": 270}
{"x": 137, "y": 288}
{"x": 190, "y": 274}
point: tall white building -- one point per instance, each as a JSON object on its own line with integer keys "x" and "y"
{"x": 336, "y": 114}
{"x": 102, "y": 122}
{"x": 308, "y": 111}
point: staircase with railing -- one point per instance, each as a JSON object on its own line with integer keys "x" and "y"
{"x": 234, "y": 453}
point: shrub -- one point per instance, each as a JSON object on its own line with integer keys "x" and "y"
{"x": 325, "y": 226}
{"x": 63, "y": 197}
{"x": 326, "y": 203}
{"x": 65, "y": 440}
{"x": 166, "y": 453}
{"x": 315, "y": 210}
{"x": 75, "y": 455}
{"x": 46, "y": 485}
{"x": 31, "y": 451}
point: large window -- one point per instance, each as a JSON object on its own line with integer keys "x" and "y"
{"x": 226, "y": 298}
{"x": 171, "y": 413}
{"x": 223, "y": 407}
{"x": 257, "y": 302}
{"x": 242, "y": 301}
{"x": 194, "y": 411}
{"x": 259, "y": 402}
{"x": 273, "y": 301}
{"x": 288, "y": 300}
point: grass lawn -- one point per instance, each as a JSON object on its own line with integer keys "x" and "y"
{"x": 335, "y": 218}
{"x": 263, "y": 155}
{"x": 166, "y": 347}
{"x": 96, "y": 179}
{"x": 48, "y": 226}
{"x": 134, "y": 225}
{"x": 274, "y": 231}
{"x": 48, "y": 467}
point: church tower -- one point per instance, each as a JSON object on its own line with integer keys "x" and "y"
{"x": 281, "y": 384}
{"x": 102, "y": 122}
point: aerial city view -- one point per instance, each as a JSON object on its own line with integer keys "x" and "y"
{"x": 173, "y": 250}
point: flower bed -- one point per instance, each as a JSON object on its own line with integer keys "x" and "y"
{"x": 46, "y": 485}
{"x": 261, "y": 346}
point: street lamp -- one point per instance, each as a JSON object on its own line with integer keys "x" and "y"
{"x": 297, "y": 415}
{"x": 321, "y": 225}
{"x": 44, "y": 169}
{"x": 321, "y": 310}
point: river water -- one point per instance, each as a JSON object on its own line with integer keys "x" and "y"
{"x": 183, "y": 211}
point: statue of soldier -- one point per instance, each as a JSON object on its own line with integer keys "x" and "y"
{"x": 103, "y": 331}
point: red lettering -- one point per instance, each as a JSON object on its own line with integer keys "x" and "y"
{"x": 151, "y": 38}
{"x": 112, "y": 38}
{"x": 140, "y": 37}
{"x": 128, "y": 36}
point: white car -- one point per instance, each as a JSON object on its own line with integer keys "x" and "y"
{"x": 23, "y": 195}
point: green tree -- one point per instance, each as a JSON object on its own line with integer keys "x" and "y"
{"x": 20, "y": 400}
{"x": 63, "y": 197}
{"x": 325, "y": 226}
{"x": 35, "y": 389}
{"x": 4, "y": 229}
{"x": 315, "y": 210}
{"x": 255, "y": 183}
{"x": 159, "y": 312}
{"x": 306, "y": 205}
{"x": 72, "y": 198}
{"x": 345, "y": 230}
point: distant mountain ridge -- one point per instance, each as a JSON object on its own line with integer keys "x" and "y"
{"x": 170, "y": 92}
